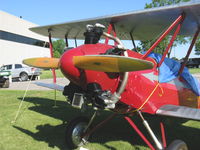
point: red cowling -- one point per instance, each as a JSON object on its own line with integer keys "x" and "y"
{"x": 108, "y": 81}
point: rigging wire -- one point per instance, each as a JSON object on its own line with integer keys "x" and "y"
{"x": 20, "y": 105}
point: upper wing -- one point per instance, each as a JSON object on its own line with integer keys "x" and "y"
{"x": 144, "y": 25}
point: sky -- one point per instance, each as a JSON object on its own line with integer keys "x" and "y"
{"x": 43, "y": 12}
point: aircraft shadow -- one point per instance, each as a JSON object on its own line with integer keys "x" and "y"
{"x": 116, "y": 130}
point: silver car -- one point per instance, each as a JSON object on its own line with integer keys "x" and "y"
{"x": 22, "y": 72}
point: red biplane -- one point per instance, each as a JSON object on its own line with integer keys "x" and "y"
{"x": 121, "y": 80}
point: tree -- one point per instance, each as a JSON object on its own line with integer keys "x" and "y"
{"x": 58, "y": 47}
{"x": 145, "y": 45}
{"x": 197, "y": 47}
{"x": 159, "y": 3}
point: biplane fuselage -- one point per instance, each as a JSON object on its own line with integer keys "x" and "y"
{"x": 142, "y": 88}
{"x": 122, "y": 80}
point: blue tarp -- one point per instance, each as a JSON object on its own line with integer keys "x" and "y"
{"x": 169, "y": 71}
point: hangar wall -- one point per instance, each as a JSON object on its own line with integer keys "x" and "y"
{"x": 17, "y": 42}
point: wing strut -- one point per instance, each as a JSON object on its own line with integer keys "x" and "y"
{"x": 75, "y": 41}
{"x": 51, "y": 52}
{"x": 133, "y": 41}
{"x": 111, "y": 28}
{"x": 53, "y": 70}
{"x": 66, "y": 41}
{"x": 170, "y": 28}
{"x": 189, "y": 50}
{"x": 171, "y": 41}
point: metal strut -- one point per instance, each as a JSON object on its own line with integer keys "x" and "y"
{"x": 91, "y": 120}
{"x": 53, "y": 70}
{"x": 156, "y": 141}
{"x": 158, "y": 144}
{"x": 189, "y": 50}
{"x": 88, "y": 132}
{"x": 51, "y": 53}
{"x": 177, "y": 21}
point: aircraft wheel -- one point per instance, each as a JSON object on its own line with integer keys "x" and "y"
{"x": 177, "y": 145}
{"x": 74, "y": 130}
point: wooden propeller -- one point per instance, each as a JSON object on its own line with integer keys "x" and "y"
{"x": 42, "y": 62}
{"x": 110, "y": 63}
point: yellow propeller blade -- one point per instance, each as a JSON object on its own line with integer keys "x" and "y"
{"x": 42, "y": 62}
{"x": 110, "y": 63}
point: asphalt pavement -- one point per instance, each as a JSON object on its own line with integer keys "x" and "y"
{"x": 30, "y": 85}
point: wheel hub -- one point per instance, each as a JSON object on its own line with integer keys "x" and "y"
{"x": 77, "y": 132}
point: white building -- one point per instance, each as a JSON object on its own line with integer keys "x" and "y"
{"x": 17, "y": 42}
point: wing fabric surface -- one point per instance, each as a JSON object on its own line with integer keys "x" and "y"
{"x": 179, "y": 111}
{"x": 144, "y": 25}
{"x": 50, "y": 86}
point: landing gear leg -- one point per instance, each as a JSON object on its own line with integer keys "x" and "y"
{"x": 139, "y": 132}
{"x": 79, "y": 130}
{"x": 175, "y": 145}
{"x": 159, "y": 146}
{"x": 157, "y": 143}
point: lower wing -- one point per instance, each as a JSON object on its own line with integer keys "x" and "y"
{"x": 50, "y": 86}
{"x": 179, "y": 111}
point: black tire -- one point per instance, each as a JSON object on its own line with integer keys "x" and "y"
{"x": 6, "y": 84}
{"x": 33, "y": 77}
{"x": 177, "y": 145}
{"x": 74, "y": 130}
{"x": 23, "y": 76}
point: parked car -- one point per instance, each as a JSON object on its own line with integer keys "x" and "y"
{"x": 193, "y": 63}
{"x": 22, "y": 72}
{"x": 4, "y": 79}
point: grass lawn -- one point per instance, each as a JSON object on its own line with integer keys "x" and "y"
{"x": 40, "y": 126}
{"x": 46, "y": 74}
{"x": 194, "y": 70}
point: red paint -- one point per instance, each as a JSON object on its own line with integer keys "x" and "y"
{"x": 162, "y": 128}
{"x": 51, "y": 53}
{"x": 139, "y": 132}
{"x": 111, "y": 28}
{"x": 83, "y": 77}
{"x": 139, "y": 86}
{"x": 170, "y": 44}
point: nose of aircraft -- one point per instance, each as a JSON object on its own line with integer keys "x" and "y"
{"x": 67, "y": 66}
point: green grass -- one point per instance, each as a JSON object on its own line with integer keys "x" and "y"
{"x": 47, "y": 74}
{"x": 194, "y": 70}
{"x": 40, "y": 126}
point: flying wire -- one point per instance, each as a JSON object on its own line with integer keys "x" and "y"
{"x": 148, "y": 97}
{"x": 153, "y": 91}
{"x": 20, "y": 105}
